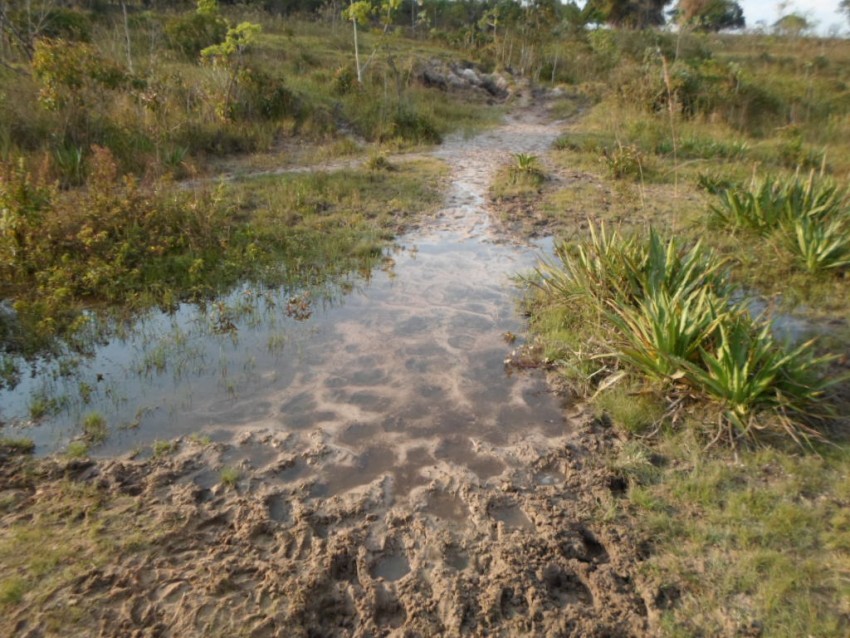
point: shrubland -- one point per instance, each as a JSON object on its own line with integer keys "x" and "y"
{"x": 704, "y": 180}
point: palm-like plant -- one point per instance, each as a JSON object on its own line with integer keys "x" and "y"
{"x": 749, "y": 373}
{"x": 671, "y": 311}
{"x": 820, "y": 244}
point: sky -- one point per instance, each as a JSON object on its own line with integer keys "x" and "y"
{"x": 823, "y": 12}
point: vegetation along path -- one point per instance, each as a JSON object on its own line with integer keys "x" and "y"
{"x": 378, "y": 471}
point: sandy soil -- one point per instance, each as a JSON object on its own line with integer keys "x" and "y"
{"x": 258, "y": 558}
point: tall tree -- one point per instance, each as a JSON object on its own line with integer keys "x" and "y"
{"x": 711, "y": 15}
{"x": 631, "y": 14}
{"x": 793, "y": 25}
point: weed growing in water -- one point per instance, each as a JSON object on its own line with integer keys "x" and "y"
{"x": 163, "y": 448}
{"x": 77, "y": 450}
{"x": 230, "y": 476}
{"x": 17, "y": 445}
{"x": 200, "y": 439}
{"x": 94, "y": 428}
{"x": 526, "y": 168}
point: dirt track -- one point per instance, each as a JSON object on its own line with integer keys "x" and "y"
{"x": 495, "y": 522}
{"x": 259, "y": 559}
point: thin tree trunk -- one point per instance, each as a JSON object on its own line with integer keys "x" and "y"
{"x": 127, "y": 36}
{"x": 357, "y": 55}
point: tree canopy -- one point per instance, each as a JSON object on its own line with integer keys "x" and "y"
{"x": 632, "y": 14}
{"x": 711, "y": 15}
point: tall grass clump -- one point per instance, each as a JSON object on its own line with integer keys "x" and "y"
{"x": 810, "y": 217}
{"x": 665, "y": 313}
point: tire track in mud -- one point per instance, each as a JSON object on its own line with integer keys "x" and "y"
{"x": 399, "y": 484}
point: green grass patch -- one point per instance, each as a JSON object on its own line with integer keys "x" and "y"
{"x": 754, "y": 541}
{"x": 17, "y": 445}
{"x": 230, "y": 476}
{"x": 70, "y": 529}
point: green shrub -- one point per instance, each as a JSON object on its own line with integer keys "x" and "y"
{"x": 410, "y": 125}
{"x": 669, "y": 313}
{"x": 625, "y": 161}
{"x": 260, "y": 96}
{"x": 189, "y": 34}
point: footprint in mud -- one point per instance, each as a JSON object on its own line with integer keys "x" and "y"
{"x": 512, "y": 517}
{"x": 278, "y": 508}
{"x": 447, "y": 507}
{"x": 293, "y": 471}
{"x": 512, "y": 603}
{"x": 460, "y": 450}
{"x": 358, "y": 433}
{"x": 566, "y": 588}
{"x": 370, "y": 464}
{"x": 388, "y": 610}
{"x": 391, "y": 568}
{"x": 582, "y": 545}
{"x": 456, "y": 558}
{"x": 344, "y": 567}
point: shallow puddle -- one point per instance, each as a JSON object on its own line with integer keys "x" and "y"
{"x": 447, "y": 507}
{"x": 391, "y": 568}
{"x": 400, "y": 379}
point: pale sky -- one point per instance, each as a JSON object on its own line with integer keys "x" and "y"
{"x": 823, "y": 12}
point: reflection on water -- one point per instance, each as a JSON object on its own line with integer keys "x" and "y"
{"x": 404, "y": 374}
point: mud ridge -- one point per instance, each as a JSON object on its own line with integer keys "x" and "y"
{"x": 264, "y": 558}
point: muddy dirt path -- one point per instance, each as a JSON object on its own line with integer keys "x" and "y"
{"x": 387, "y": 477}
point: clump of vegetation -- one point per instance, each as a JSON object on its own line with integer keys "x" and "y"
{"x": 625, "y": 162}
{"x": 95, "y": 431}
{"x": 811, "y": 218}
{"x": 230, "y": 476}
{"x": 77, "y": 449}
{"x": 527, "y": 168}
{"x": 669, "y": 312}
{"x": 164, "y": 448}
{"x": 17, "y": 445}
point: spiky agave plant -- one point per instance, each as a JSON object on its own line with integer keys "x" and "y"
{"x": 820, "y": 244}
{"x": 671, "y": 311}
{"x": 759, "y": 384}
{"x": 526, "y": 167}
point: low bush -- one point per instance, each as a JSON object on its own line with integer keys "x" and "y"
{"x": 191, "y": 33}
{"x": 667, "y": 313}
{"x": 811, "y": 217}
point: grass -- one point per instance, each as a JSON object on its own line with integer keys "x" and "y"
{"x": 69, "y": 530}
{"x": 77, "y": 449}
{"x": 17, "y": 445}
{"x": 761, "y": 540}
{"x": 95, "y": 430}
{"x": 164, "y": 448}
{"x": 230, "y": 476}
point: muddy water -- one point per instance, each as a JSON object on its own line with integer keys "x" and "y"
{"x": 399, "y": 382}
